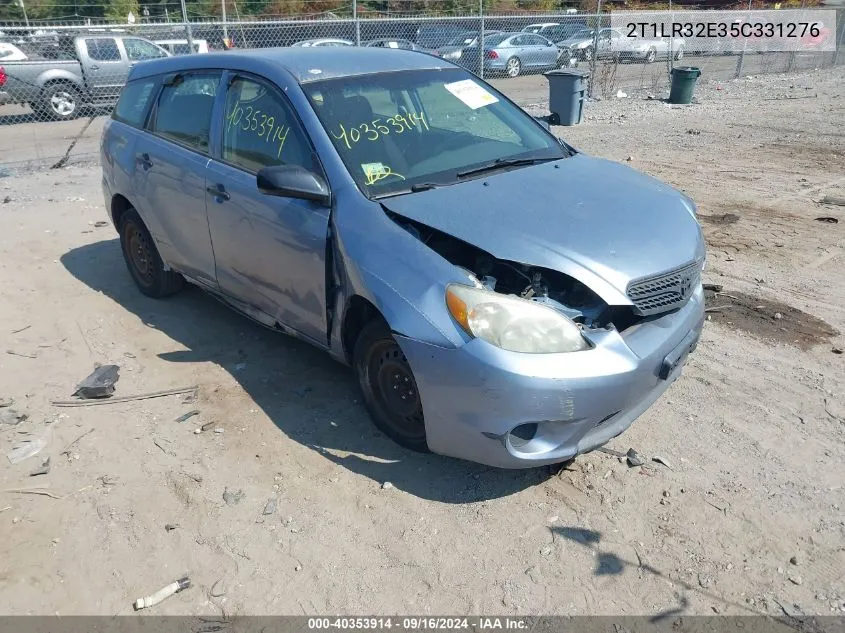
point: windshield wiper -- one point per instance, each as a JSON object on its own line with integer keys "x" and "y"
{"x": 500, "y": 163}
{"x": 424, "y": 186}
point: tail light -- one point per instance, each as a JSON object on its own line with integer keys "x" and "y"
{"x": 491, "y": 55}
{"x": 3, "y": 76}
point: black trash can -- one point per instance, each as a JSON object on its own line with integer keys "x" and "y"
{"x": 683, "y": 84}
{"x": 567, "y": 93}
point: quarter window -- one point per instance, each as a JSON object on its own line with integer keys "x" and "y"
{"x": 261, "y": 130}
{"x": 132, "y": 105}
{"x": 102, "y": 49}
{"x": 184, "y": 110}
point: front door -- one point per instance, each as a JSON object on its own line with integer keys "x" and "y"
{"x": 170, "y": 173}
{"x": 105, "y": 69}
{"x": 270, "y": 251}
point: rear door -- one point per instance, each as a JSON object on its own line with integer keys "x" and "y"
{"x": 104, "y": 68}
{"x": 270, "y": 250}
{"x": 170, "y": 172}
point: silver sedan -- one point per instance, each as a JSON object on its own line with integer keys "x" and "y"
{"x": 515, "y": 53}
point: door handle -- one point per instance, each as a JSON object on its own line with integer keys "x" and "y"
{"x": 95, "y": 67}
{"x": 218, "y": 191}
{"x": 144, "y": 161}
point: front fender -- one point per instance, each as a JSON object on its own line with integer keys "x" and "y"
{"x": 404, "y": 279}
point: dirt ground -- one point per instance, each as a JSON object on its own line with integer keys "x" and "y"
{"x": 746, "y": 515}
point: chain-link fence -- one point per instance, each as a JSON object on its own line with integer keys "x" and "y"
{"x": 61, "y": 72}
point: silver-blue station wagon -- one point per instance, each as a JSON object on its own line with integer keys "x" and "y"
{"x": 501, "y": 296}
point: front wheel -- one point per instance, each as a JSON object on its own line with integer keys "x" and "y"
{"x": 513, "y": 67}
{"x": 588, "y": 53}
{"x": 389, "y": 388}
{"x": 650, "y": 56}
{"x": 143, "y": 260}
{"x": 679, "y": 55}
{"x": 60, "y": 102}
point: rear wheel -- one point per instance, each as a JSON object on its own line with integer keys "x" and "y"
{"x": 513, "y": 67}
{"x": 389, "y": 388}
{"x": 143, "y": 260}
{"x": 59, "y": 101}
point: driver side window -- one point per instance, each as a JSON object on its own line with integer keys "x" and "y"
{"x": 261, "y": 130}
{"x": 138, "y": 50}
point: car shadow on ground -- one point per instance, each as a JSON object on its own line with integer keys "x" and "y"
{"x": 15, "y": 119}
{"x": 310, "y": 397}
{"x": 610, "y": 564}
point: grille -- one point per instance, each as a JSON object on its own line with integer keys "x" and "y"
{"x": 664, "y": 292}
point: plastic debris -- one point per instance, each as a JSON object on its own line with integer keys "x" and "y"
{"x": 621, "y": 95}
{"x": 170, "y": 526}
{"x": 43, "y": 469}
{"x": 387, "y": 485}
{"x": 188, "y": 415}
{"x": 12, "y": 417}
{"x": 634, "y": 458}
{"x": 28, "y": 448}
{"x": 662, "y": 460}
{"x": 99, "y": 384}
{"x": 233, "y": 498}
{"x": 6, "y": 402}
{"x": 270, "y": 507}
{"x": 162, "y": 594}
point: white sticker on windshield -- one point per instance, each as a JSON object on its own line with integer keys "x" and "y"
{"x": 393, "y": 45}
{"x": 473, "y": 95}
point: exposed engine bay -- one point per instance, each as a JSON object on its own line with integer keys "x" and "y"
{"x": 547, "y": 287}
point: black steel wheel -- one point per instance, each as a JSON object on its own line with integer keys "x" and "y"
{"x": 389, "y": 388}
{"x": 143, "y": 260}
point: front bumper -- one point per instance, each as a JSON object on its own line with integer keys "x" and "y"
{"x": 476, "y": 395}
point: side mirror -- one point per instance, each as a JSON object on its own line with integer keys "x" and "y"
{"x": 292, "y": 181}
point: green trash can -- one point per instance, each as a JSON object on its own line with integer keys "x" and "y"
{"x": 683, "y": 84}
{"x": 567, "y": 93}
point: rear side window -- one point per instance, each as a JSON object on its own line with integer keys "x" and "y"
{"x": 184, "y": 110}
{"x": 132, "y": 106}
{"x": 102, "y": 49}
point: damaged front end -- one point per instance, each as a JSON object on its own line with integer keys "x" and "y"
{"x": 550, "y": 288}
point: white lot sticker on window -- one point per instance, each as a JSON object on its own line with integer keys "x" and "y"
{"x": 473, "y": 95}
{"x": 392, "y": 45}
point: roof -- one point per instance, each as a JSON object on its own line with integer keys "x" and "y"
{"x": 305, "y": 64}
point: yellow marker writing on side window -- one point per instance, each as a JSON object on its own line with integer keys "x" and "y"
{"x": 258, "y": 123}
{"x": 373, "y": 172}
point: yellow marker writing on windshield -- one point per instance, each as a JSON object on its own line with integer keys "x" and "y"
{"x": 375, "y": 129}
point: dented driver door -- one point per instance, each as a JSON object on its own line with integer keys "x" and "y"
{"x": 270, "y": 251}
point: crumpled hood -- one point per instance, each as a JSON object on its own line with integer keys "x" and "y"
{"x": 601, "y": 222}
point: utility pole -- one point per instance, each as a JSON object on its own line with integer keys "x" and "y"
{"x": 188, "y": 28}
{"x": 357, "y": 23}
{"x": 481, "y": 39}
{"x": 223, "y": 8}
{"x": 23, "y": 8}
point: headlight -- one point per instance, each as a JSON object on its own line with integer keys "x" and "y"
{"x": 513, "y": 324}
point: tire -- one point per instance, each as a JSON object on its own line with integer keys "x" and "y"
{"x": 587, "y": 53}
{"x": 59, "y": 102}
{"x": 650, "y": 56}
{"x": 679, "y": 54}
{"x": 389, "y": 388}
{"x": 143, "y": 261}
{"x": 513, "y": 67}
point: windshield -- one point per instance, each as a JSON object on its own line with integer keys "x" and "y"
{"x": 400, "y": 129}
